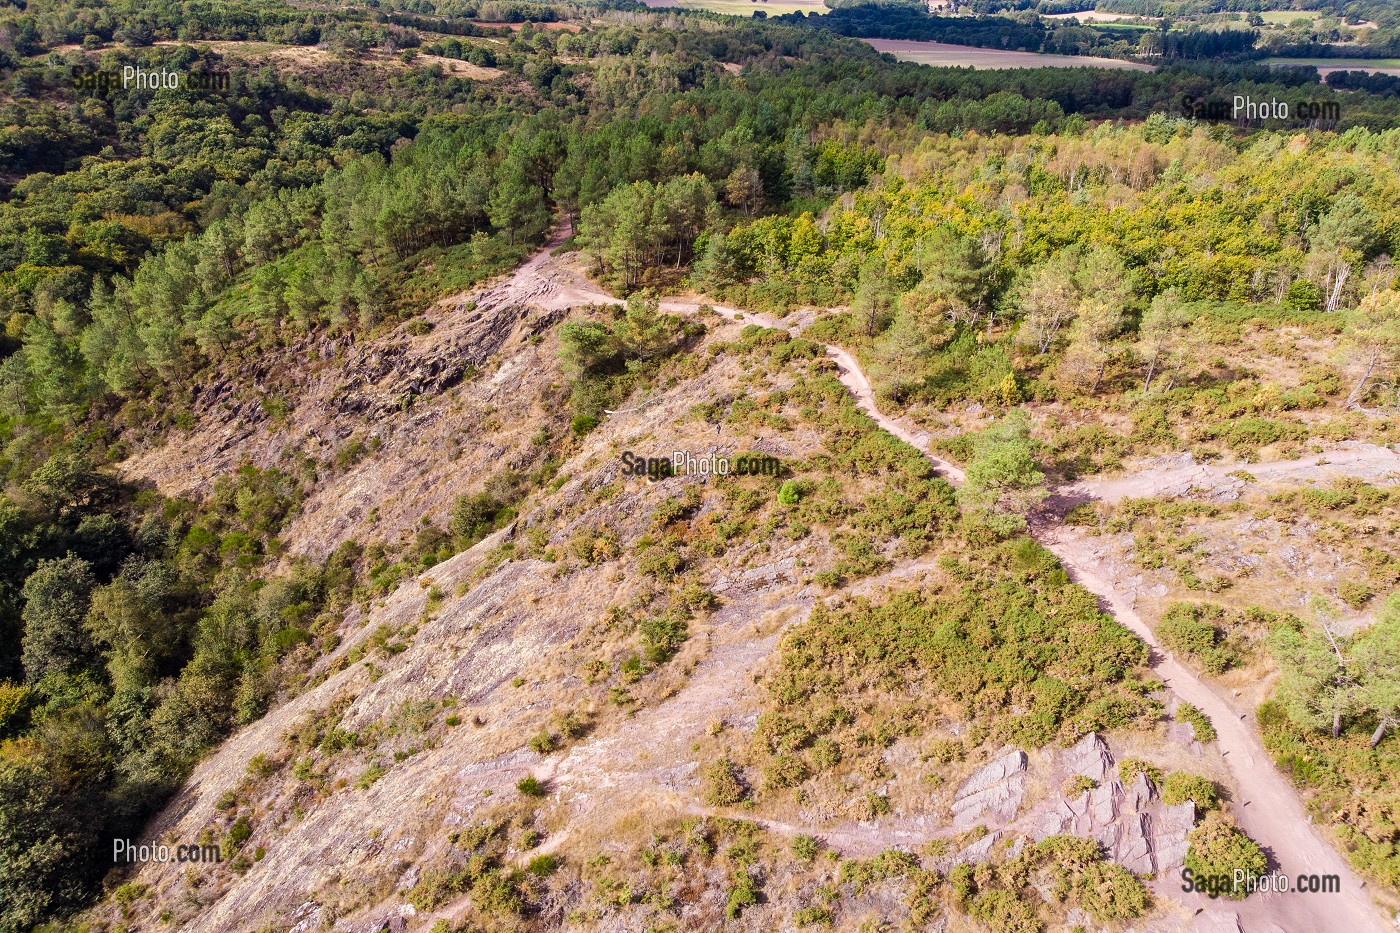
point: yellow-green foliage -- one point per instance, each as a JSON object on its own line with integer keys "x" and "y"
{"x": 988, "y": 643}
{"x": 1218, "y": 848}
{"x": 1349, "y": 787}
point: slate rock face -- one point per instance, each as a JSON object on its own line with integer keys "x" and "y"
{"x": 993, "y": 793}
{"x": 1139, "y": 832}
{"x": 1090, "y": 758}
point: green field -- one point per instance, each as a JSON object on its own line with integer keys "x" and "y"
{"x": 1284, "y": 17}
{"x": 1389, "y": 66}
{"x": 742, "y": 7}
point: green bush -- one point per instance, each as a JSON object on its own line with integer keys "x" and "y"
{"x": 789, "y": 493}
{"x": 542, "y": 866}
{"x": 532, "y": 786}
{"x": 1218, "y": 848}
{"x": 722, "y": 785}
{"x": 1200, "y": 722}
{"x": 1186, "y": 629}
{"x": 812, "y": 915}
{"x": 1179, "y": 787}
{"x": 1005, "y": 912}
{"x": 804, "y": 847}
{"x": 744, "y": 893}
{"x": 1130, "y": 768}
{"x": 663, "y": 637}
{"x": 784, "y": 771}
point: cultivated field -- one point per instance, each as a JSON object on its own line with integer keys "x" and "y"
{"x": 1325, "y": 66}
{"x": 944, "y": 55}
{"x": 1093, "y": 16}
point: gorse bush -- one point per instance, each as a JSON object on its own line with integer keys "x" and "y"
{"x": 1188, "y": 629}
{"x": 1218, "y": 848}
{"x": 969, "y": 642}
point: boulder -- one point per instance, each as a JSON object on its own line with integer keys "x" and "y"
{"x": 1090, "y": 757}
{"x": 993, "y": 793}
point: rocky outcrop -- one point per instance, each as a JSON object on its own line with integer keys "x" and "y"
{"x": 1137, "y": 830}
{"x": 1090, "y": 758}
{"x": 993, "y": 793}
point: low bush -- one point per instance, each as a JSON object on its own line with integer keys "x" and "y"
{"x": 1218, "y": 848}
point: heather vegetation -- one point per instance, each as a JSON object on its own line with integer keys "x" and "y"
{"x": 1049, "y": 288}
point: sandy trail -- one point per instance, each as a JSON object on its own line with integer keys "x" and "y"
{"x": 1267, "y": 807}
{"x": 1353, "y": 459}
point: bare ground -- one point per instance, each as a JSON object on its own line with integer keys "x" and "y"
{"x": 472, "y": 648}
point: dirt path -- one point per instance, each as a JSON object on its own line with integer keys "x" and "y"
{"x": 1267, "y": 807}
{"x": 1370, "y": 462}
{"x": 543, "y": 281}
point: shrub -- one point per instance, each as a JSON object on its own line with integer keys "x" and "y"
{"x": 1218, "y": 848}
{"x": 542, "y": 866}
{"x": 1179, "y": 787}
{"x": 876, "y": 805}
{"x": 1130, "y": 768}
{"x": 543, "y": 742}
{"x": 532, "y": 786}
{"x": 722, "y": 785}
{"x": 1109, "y": 891}
{"x": 663, "y": 637}
{"x": 811, "y": 916}
{"x": 1079, "y": 784}
{"x": 238, "y": 834}
{"x": 371, "y": 774}
{"x": 15, "y": 700}
{"x": 1186, "y": 630}
{"x": 1083, "y": 515}
{"x": 789, "y": 493}
{"x": 784, "y": 771}
{"x": 1355, "y": 593}
{"x": 1200, "y": 722}
{"x": 804, "y": 847}
{"x": 1005, "y": 912}
{"x": 825, "y": 754}
{"x": 743, "y": 894}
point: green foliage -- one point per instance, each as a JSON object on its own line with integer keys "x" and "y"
{"x": 1200, "y": 722}
{"x": 743, "y": 892}
{"x": 804, "y": 847}
{"x": 1002, "y": 478}
{"x": 609, "y": 359}
{"x": 789, "y": 493}
{"x": 542, "y": 866}
{"x": 1179, "y": 787}
{"x": 967, "y": 642}
{"x": 1130, "y": 768}
{"x": 722, "y": 786}
{"x": 662, "y": 637}
{"x": 1218, "y": 848}
{"x": 1189, "y": 629}
{"x": 889, "y": 864}
{"x": 531, "y": 786}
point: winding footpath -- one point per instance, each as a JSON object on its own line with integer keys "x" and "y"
{"x": 1267, "y": 808}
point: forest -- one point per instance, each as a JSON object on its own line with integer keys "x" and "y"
{"x": 148, "y": 241}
